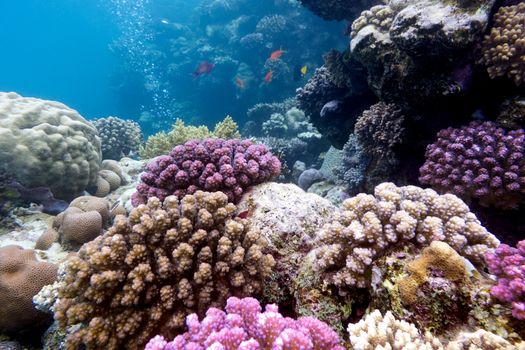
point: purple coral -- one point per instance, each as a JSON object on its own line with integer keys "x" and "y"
{"x": 229, "y": 166}
{"x": 244, "y": 327}
{"x": 480, "y": 161}
{"x": 508, "y": 264}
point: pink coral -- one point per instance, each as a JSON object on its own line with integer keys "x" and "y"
{"x": 508, "y": 264}
{"x": 244, "y": 327}
{"x": 229, "y": 166}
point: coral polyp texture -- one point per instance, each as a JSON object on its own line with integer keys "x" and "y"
{"x": 119, "y": 137}
{"x": 504, "y": 47}
{"x": 229, "y": 166}
{"x": 242, "y": 326}
{"x": 508, "y": 264}
{"x": 480, "y": 161}
{"x": 45, "y": 143}
{"x": 369, "y": 225}
{"x": 151, "y": 270}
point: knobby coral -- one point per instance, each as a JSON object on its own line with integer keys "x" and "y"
{"x": 508, "y": 264}
{"x": 479, "y": 161}
{"x": 371, "y": 224}
{"x": 229, "y": 166}
{"x": 119, "y": 137}
{"x": 244, "y": 327}
{"x": 504, "y": 47}
{"x": 149, "y": 271}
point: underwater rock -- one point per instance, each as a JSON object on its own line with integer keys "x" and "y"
{"x": 46, "y": 144}
{"x": 309, "y": 177}
{"x": 290, "y": 219}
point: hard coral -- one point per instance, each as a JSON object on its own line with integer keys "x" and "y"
{"x": 45, "y": 143}
{"x": 229, "y": 166}
{"x": 21, "y": 277}
{"x": 480, "y": 161}
{"x": 149, "y": 271}
{"x": 504, "y": 47}
{"x": 244, "y": 327}
{"x": 119, "y": 137}
{"x": 371, "y": 224}
{"x": 508, "y": 264}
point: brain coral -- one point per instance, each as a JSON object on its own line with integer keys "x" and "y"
{"x": 479, "y": 161}
{"x": 45, "y": 143}
{"x": 21, "y": 277}
{"x": 149, "y": 271}
{"x": 371, "y": 224}
{"x": 229, "y": 166}
{"x": 119, "y": 137}
{"x": 504, "y": 47}
{"x": 244, "y": 327}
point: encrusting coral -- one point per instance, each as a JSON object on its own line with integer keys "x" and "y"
{"x": 244, "y": 327}
{"x": 162, "y": 143}
{"x": 21, "y": 277}
{"x": 119, "y": 137}
{"x": 149, "y": 271}
{"x": 479, "y": 161}
{"x": 45, "y": 143}
{"x": 371, "y": 224}
{"x": 504, "y": 48}
{"x": 229, "y": 166}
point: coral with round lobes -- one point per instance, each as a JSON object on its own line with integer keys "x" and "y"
{"x": 229, "y": 166}
{"x": 119, "y": 137}
{"x": 242, "y": 326}
{"x": 480, "y": 161}
{"x": 508, "y": 264}
{"x": 150, "y": 270}
{"x": 371, "y": 224}
{"x": 45, "y": 143}
{"x": 504, "y": 47}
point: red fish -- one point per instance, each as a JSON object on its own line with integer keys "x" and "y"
{"x": 204, "y": 67}
{"x": 241, "y": 84}
{"x": 276, "y": 54}
{"x": 243, "y": 215}
{"x": 268, "y": 77}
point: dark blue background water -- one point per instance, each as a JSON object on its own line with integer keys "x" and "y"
{"x": 58, "y": 50}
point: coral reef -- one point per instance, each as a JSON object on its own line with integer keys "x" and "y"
{"x": 229, "y": 166}
{"x": 504, "y": 48}
{"x": 371, "y": 224}
{"x": 309, "y": 177}
{"x": 150, "y": 270}
{"x": 337, "y": 9}
{"x": 352, "y": 168}
{"x": 119, "y": 137}
{"x": 508, "y": 264}
{"x": 482, "y": 339}
{"x": 480, "y": 161}
{"x": 243, "y": 326}
{"x": 162, "y": 143}
{"x": 376, "y": 331}
{"x": 45, "y": 143}
{"x": 109, "y": 178}
{"x": 21, "y": 277}
{"x": 512, "y": 113}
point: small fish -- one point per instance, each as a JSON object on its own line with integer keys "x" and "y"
{"x": 304, "y": 70}
{"x": 241, "y": 84}
{"x": 276, "y": 54}
{"x": 243, "y": 214}
{"x": 268, "y": 77}
{"x": 204, "y": 67}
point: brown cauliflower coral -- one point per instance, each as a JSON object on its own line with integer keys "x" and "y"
{"x": 149, "y": 271}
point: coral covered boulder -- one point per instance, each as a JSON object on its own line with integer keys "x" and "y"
{"x": 21, "y": 277}
{"x": 480, "y": 161}
{"x": 242, "y": 326}
{"x": 230, "y": 166}
{"x": 45, "y": 143}
{"x": 150, "y": 270}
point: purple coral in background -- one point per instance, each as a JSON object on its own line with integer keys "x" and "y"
{"x": 229, "y": 166}
{"x": 244, "y": 327}
{"x": 480, "y": 161}
{"x": 508, "y": 264}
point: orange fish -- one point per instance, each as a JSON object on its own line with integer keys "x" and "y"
{"x": 241, "y": 84}
{"x": 268, "y": 77}
{"x": 276, "y": 54}
{"x": 204, "y": 67}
